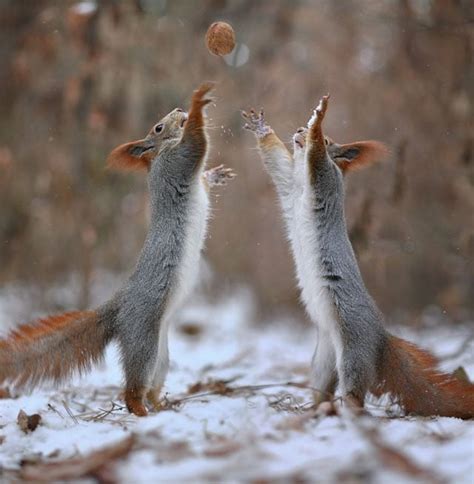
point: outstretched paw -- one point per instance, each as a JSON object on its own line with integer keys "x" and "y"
{"x": 218, "y": 176}
{"x": 319, "y": 112}
{"x": 256, "y": 123}
{"x": 201, "y": 95}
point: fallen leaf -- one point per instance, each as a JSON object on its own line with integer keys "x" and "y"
{"x": 171, "y": 451}
{"x": 222, "y": 449}
{"x": 28, "y": 423}
{"x": 297, "y": 422}
{"x": 96, "y": 464}
{"x": 190, "y": 329}
{"x": 5, "y": 393}
{"x": 219, "y": 387}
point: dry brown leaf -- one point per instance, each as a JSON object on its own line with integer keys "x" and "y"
{"x": 222, "y": 448}
{"x": 28, "y": 423}
{"x": 98, "y": 464}
{"x": 190, "y": 329}
{"x": 171, "y": 451}
{"x": 219, "y": 387}
{"x": 5, "y": 393}
{"x": 297, "y": 422}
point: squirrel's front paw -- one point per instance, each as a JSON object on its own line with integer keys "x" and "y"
{"x": 319, "y": 112}
{"x": 256, "y": 123}
{"x": 218, "y": 175}
{"x": 202, "y": 95}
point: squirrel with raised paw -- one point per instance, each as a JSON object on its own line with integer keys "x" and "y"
{"x": 354, "y": 350}
{"x": 174, "y": 153}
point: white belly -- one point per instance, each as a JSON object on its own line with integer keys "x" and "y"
{"x": 304, "y": 242}
{"x": 193, "y": 245}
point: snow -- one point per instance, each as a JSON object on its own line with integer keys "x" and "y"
{"x": 256, "y": 433}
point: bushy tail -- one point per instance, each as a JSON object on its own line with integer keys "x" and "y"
{"x": 411, "y": 376}
{"x": 53, "y": 348}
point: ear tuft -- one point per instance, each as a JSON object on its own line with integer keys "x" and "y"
{"x": 135, "y": 155}
{"x": 360, "y": 154}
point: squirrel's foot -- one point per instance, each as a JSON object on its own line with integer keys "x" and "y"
{"x": 134, "y": 402}
{"x": 153, "y": 397}
{"x": 256, "y": 123}
{"x": 319, "y": 113}
{"x": 355, "y": 404}
{"x": 320, "y": 397}
{"x": 218, "y": 176}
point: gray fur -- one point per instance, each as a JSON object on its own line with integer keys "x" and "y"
{"x": 351, "y": 337}
{"x": 144, "y": 297}
{"x": 363, "y": 334}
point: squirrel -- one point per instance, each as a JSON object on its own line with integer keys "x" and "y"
{"x": 174, "y": 153}
{"x": 354, "y": 350}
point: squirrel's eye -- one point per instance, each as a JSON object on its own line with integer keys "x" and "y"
{"x": 158, "y": 128}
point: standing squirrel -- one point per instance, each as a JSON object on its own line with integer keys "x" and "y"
{"x": 174, "y": 153}
{"x": 354, "y": 349}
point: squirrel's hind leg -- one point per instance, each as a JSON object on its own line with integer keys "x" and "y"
{"x": 160, "y": 370}
{"x": 139, "y": 362}
{"x": 323, "y": 370}
{"x": 353, "y": 378}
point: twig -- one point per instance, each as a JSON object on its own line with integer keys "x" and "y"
{"x": 54, "y": 409}
{"x": 68, "y": 410}
{"x": 236, "y": 390}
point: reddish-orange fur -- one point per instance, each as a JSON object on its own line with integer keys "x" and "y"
{"x": 134, "y": 402}
{"x": 52, "y": 348}
{"x": 194, "y": 127}
{"x": 121, "y": 159}
{"x": 29, "y": 332}
{"x": 271, "y": 141}
{"x": 369, "y": 153}
{"x": 410, "y": 375}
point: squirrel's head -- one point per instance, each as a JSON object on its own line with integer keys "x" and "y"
{"x": 137, "y": 155}
{"x": 348, "y": 156}
{"x": 299, "y": 140}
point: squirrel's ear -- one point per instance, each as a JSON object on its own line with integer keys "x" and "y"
{"x": 135, "y": 155}
{"x": 357, "y": 155}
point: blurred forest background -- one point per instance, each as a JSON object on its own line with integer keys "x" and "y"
{"x": 79, "y": 78}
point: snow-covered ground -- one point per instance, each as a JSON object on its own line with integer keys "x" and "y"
{"x": 260, "y": 428}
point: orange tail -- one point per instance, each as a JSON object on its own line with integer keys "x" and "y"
{"x": 410, "y": 375}
{"x": 52, "y": 348}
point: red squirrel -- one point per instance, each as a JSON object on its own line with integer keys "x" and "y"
{"x": 174, "y": 154}
{"x": 354, "y": 351}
